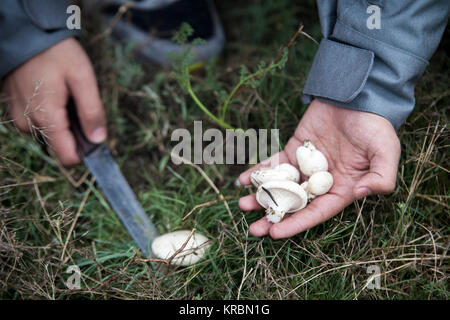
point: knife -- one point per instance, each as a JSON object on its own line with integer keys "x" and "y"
{"x": 107, "y": 174}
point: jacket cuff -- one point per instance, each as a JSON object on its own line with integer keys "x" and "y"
{"x": 26, "y": 31}
{"x": 379, "y": 78}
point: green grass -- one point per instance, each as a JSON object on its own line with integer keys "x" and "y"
{"x": 405, "y": 233}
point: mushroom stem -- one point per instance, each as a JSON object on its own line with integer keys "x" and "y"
{"x": 274, "y": 214}
{"x": 308, "y": 144}
{"x": 280, "y": 197}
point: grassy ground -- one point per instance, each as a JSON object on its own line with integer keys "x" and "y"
{"x": 52, "y": 218}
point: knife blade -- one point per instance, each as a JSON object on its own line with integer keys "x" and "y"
{"x": 114, "y": 186}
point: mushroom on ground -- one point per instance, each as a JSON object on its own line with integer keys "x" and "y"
{"x": 283, "y": 171}
{"x": 165, "y": 246}
{"x": 310, "y": 160}
{"x": 281, "y": 197}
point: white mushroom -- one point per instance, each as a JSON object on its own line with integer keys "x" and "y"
{"x": 280, "y": 197}
{"x": 304, "y": 185}
{"x": 310, "y": 159}
{"x": 283, "y": 171}
{"x": 293, "y": 171}
{"x": 320, "y": 183}
{"x": 164, "y": 247}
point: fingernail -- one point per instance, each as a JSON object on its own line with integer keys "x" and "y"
{"x": 98, "y": 135}
{"x": 362, "y": 192}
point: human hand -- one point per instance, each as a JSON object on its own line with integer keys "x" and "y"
{"x": 362, "y": 150}
{"x": 38, "y": 92}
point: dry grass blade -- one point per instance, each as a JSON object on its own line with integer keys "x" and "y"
{"x": 206, "y": 204}
{"x": 209, "y": 181}
{"x": 80, "y": 209}
{"x": 122, "y": 10}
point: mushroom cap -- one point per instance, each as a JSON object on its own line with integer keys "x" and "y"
{"x": 164, "y": 246}
{"x": 289, "y": 168}
{"x": 320, "y": 183}
{"x": 288, "y": 195}
{"x": 304, "y": 185}
{"x": 284, "y": 171}
{"x": 310, "y": 160}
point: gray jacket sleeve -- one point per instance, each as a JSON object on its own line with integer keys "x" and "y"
{"x": 28, "y": 27}
{"x": 371, "y": 69}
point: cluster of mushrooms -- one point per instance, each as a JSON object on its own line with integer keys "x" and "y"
{"x": 279, "y": 191}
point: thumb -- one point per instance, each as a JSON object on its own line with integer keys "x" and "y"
{"x": 84, "y": 89}
{"x": 382, "y": 174}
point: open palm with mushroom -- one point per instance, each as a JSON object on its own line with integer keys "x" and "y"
{"x": 362, "y": 150}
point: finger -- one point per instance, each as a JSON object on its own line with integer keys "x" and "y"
{"x": 83, "y": 86}
{"x": 20, "y": 120}
{"x": 249, "y": 202}
{"x": 16, "y": 107}
{"x": 63, "y": 145}
{"x": 382, "y": 174}
{"x": 51, "y": 119}
{"x": 274, "y": 160}
{"x": 260, "y": 228}
{"x": 318, "y": 211}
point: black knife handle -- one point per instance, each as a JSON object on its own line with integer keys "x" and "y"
{"x": 84, "y": 146}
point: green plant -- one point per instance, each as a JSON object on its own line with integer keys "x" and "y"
{"x": 183, "y": 62}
